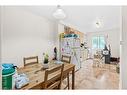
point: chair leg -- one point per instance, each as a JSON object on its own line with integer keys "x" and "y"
{"x": 68, "y": 81}
{"x": 59, "y": 86}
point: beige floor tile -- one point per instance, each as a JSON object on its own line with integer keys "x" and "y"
{"x": 89, "y": 77}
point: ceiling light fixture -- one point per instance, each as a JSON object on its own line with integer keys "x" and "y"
{"x": 59, "y": 13}
{"x": 99, "y": 23}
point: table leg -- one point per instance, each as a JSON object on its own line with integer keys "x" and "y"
{"x": 73, "y": 78}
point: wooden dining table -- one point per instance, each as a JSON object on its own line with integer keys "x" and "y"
{"x": 36, "y": 73}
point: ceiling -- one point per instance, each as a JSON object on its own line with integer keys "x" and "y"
{"x": 83, "y": 18}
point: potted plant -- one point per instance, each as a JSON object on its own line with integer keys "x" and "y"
{"x": 46, "y": 57}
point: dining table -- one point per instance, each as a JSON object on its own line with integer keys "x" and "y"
{"x": 36, "y": 73}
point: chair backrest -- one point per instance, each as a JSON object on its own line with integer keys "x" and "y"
{"x": 53, "y": 77}
{"x": 30, "y": 60}
{"x": 66, "y": 58}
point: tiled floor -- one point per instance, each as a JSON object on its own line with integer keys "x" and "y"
{"x": 89, "y": 77}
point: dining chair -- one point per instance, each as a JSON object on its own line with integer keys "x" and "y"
{"x": 30, "y": 60}
{"x": 53, "y": 78}
{"x": 66, "y": 59}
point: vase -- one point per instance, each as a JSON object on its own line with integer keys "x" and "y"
{"x": 45, "y": 66}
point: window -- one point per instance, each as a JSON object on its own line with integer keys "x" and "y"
{"x": 98, "y": 42}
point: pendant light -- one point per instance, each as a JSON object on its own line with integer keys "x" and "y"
{"x": 59, "y": 13}
{"x": 99, "y": 23}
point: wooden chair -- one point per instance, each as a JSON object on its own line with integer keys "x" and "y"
{"x": 30, "y": 60}
{"x": 66, "y": 59}
{"x": 54, "y": 82}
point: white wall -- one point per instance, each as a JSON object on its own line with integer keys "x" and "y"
{"x": 60, "y": 30}
{"x": 124, "y": 48}
{"x": 113, "y": 38}
{"x": 25, "y": 34}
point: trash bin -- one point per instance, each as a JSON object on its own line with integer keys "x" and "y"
{"x": 7, "y": 76}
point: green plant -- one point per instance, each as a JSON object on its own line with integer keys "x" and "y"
{"x": 46, "y": 58}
